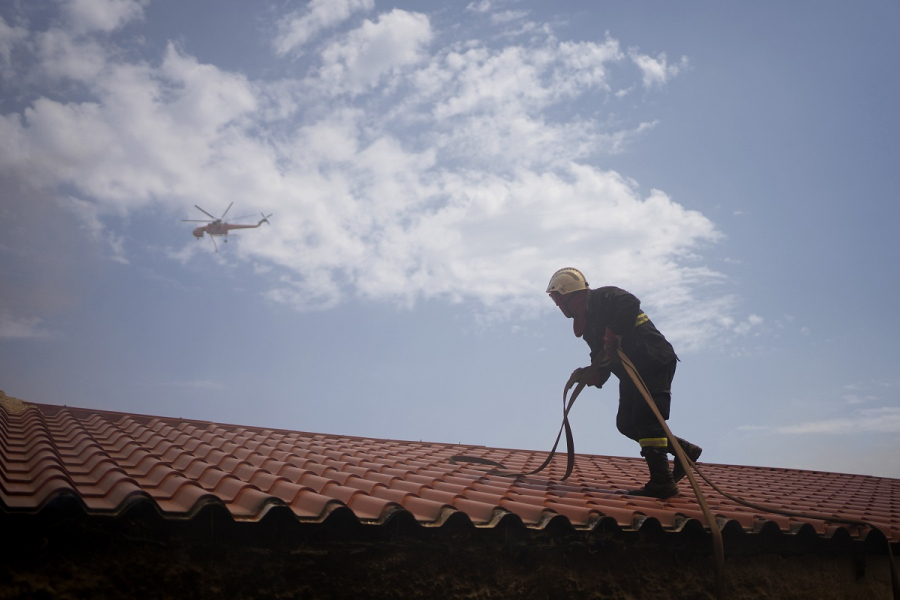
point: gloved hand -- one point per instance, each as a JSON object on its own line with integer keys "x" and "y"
{"x": 593, "y": 376}
{"x": 611, "y": 343}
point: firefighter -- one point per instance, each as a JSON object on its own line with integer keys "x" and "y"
{"x": 609, "y": 318}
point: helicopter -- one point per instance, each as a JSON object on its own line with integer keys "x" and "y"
{"x": 217, "y": 226}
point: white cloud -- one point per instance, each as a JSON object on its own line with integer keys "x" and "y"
{"x": 63, "y": 56}
{"x": 88, "y": 216}
{"x": 85, "y": 16}
{"x": 296, "y": 29}
{"x": 868, "y": 392}
{"x": 376, "y": 49}
{"x": 657, "y": 71}
{"x": 855, "y": 414}
{"x": 10, "y": 37}
{"x": 445, "y": 172}
{"x": 205, "y": 99}
{"x": 744, "y": 327}
{"x": 508, "y": 16}
{"x": 516, "y": 79}
{"x": 148, "y": 134}
{"x": 494, "y": 239}
{"x": 857, "y": 399}
{"x": 482, "y": 6}
{"x": 487, "y": 104}
{"x": 19, "y": 328}
{"x": 871, "y": 420}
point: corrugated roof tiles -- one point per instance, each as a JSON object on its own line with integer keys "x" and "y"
{"x": 109, "y": 460}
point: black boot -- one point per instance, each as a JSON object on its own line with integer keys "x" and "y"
{"x": 693, "y": 452}
{"x": 661, "y": 484}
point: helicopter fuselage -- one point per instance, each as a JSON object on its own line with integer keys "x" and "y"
{"x": 219, "y": 229}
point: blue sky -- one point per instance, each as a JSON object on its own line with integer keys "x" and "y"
{"x": 429, "y": 166}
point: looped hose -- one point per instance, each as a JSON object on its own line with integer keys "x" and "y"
{"x": 570, "y": 439}
{"x": 581, "y": 380}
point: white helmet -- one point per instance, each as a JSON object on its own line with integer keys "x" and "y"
{"x": 567, "y": 280}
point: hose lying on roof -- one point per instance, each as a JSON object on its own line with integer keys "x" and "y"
{"x": 689, "y": 466}
{"x": 687, "y": 462}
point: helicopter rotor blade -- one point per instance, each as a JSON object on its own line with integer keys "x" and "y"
{"x": 226, "y": 211}
{"x": 206, "y": 213}
{"x": 196, "y": 221}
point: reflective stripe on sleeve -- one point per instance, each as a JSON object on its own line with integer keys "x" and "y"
{"x": 641, "y": 319}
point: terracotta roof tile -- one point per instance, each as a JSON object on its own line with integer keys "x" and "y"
{"x": 185, "y": 500}
{"x": 370, "y": 508}
{"x": 109, "y": 460}
{"x": 479, "y": 512}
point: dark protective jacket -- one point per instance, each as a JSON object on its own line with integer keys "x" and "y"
{"x": 619, "y": 310}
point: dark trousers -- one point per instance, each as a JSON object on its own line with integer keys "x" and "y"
{"x": 635, "y": 420}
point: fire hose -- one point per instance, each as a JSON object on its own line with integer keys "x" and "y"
{"x": 718, "y": 550}
{"x": 579, "y": 379}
